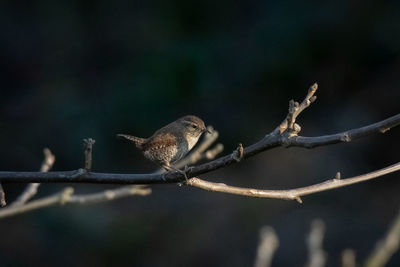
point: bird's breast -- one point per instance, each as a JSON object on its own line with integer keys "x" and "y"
{"x": 191, "y": 141}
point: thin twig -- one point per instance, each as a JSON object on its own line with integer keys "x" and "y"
{"x": 316, "y": 255}
{"x": 66, "y": 196}
{"x": 267, "y": 246}
{"x": 291, "y": 194}
{"x": 2, "y": 196}
{"x": 32, "y": 188}
{"x": 385, "y": 248}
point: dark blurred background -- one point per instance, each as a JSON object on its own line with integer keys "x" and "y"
{"x": 77, "y": 69}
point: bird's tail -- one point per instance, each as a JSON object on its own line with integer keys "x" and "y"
{"x": 137, "y": 140}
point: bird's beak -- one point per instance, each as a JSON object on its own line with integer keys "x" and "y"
{"x": 207, "y": 131}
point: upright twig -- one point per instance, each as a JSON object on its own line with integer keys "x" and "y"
{"x": 295, "y": 109}
{"x": 2, "y": 196}
{"x": 32, "y": 188}
{"x": 88, "y": 143}
{"x": 385, "y": 248}
{"x": 267, "y": 246}
{"x": 316, "y": 255}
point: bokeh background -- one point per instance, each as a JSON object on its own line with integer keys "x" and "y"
{"x": 77, "y": 69}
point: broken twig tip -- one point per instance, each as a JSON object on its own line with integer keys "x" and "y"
{"x": 314, "y": 87}
{"x": 238, "y": 153}
{"x": 298, "y": 199}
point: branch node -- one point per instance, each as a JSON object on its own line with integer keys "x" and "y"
{"x": 79, "y": 173}
{"x": 284, "y": 140}
{"x": 384, "y": 130}
{"x": 88, "y": 143}
{"x": 298, "y": 199}
{"x": 338, "y": 176}
{"x": 238, "y": 153}
{"x": 345, "y": 138}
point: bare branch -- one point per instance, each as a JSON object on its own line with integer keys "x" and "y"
{"x": 385, "y": 248}
{"x": 2, "y": 196}
{"x": 270, "y": 141}
{"x": 267, "y": 246}
{"x": 66, "y": 196}
{"x": 316, "y": 255}
{"x": 32, "y": 188}
{"x": 291, "y": 194}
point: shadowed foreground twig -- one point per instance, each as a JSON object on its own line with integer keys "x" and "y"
{"x": 66, "y": 197}
{"x": 316, "y": 255}
{"x": 385, "y": 248}
{"x": 267, "y": 246}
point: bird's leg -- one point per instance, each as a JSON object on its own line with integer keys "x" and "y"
{"x": 170, "y": 168}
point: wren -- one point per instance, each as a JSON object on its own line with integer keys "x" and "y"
{"x": 172, "y": 142}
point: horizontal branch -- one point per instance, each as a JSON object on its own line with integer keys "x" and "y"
{"x": 291, "y": 194}
{"x": 272, "y": 140}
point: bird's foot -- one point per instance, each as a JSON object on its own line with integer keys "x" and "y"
{"x": 183, "y": 172}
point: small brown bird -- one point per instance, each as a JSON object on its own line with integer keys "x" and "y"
{"x": 172, "y": 142}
